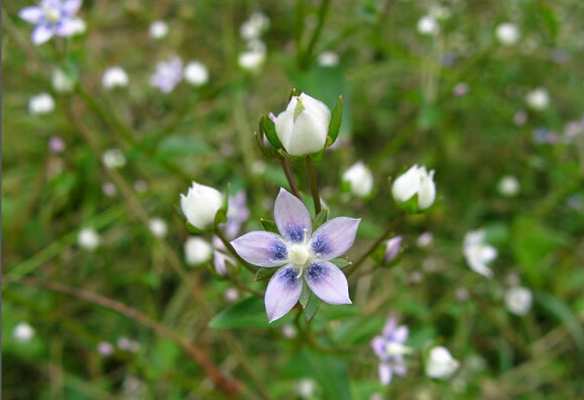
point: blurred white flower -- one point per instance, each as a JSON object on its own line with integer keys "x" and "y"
{"x": 158, "y": 227}
{"x": 61, "y": 82}
{"x": 105, "y": 349}
{"x": 109, "y": 189}
{"x": 197, "y": 251}
{"x": 360, "y": 179}
{"x": 168, "y": 74}
{"x": 200, "y": 205}
{"x": 113, "y": 158}
{"x": 303, "y": 127}
{"x": 305, "y": 388}
{"x": 428, "y": 25}
{"x": 415, "y": 180}
{"x": 440, "y": 363}
{"x": 251, "y": 60}
{"x": 253, "y": 28}
{"x": 425, "y": 239}
{"x": 538, "y": 99}
{"x": 196, "y": 73}
{"x": 230, "y": 295}
{"x": 328, "y": 59}
{"x": 507, "y": 33}
{"x": 129, "y": 345}
{"x": 158, "y": 30}
{"x": 477, "y": 253}
{"x": 114, "y": 77}
{"x": 289, "y": 331}
{"x": 88, "y": 239}
{"x": 42, "y": 103}
{"x": 23, "y": 332}
{"x": 518, "y": 300}
{"x": 509, "y": 186}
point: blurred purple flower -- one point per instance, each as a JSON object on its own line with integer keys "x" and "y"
{"x": 299, "y": 252}
{"x": 168, "y": 74}
{"x": 392, "y": 249}
{"x": 56, "y": 145}
{"x": 390, "y": 348}
{"x": 520, "y": 117}
{"x": 237, "y": 214}
{"x": 460, "y": 89}
{"x": 545, "y": 136}
{"x": 53, "y": 17}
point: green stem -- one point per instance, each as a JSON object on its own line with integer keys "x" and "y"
{"x": 290, "y": 176}
{"x": 230, "y": 248}
{"x": 321, "y": 17}
{"x": 313, "y": 184}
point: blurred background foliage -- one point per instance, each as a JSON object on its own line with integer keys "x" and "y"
{"x": 402, "y": 105}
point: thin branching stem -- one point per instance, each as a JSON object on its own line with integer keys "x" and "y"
{"x": 290, "y": 176}
{"x": 313, "y": 184}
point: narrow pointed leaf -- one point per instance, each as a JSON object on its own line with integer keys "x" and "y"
{"x": 336, "y": 117}
{"x": 320, "y": 219}
{"x": 269, "y": 129}
{"x": 269, "y": 225}
{"x": 305, "y": 295}
{"x": 341, "y": 262}
{"x": 264, "y": 274}
{"x": 312, "y": 307}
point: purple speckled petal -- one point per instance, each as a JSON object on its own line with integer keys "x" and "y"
{"x": 41, "y": 34}
{"x": 283, "y": 292}
{"x": 384, "y": 373}
{"x": 31, "y": 14}
{"x": 328, "y": 282}
{"x": 292, "y": 217}
{"x": 265, "y": 249}
{"x": 334, "y": 238}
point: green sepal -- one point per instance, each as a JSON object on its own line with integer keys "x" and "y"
{"x": 336, "y": 117}
{"x": 269, "y": 129}
{"x": 341, "y": 262}
{"x": 193, "y": 230}
{"x": 260, "y": 142}
{"x": 264, "y": 274}
{"x": 293, "y": 92}
{"x": 305, "y": 295}
{"x": 312, "y": 307}
{"x": 215, "y": 274}
{"x": 320, "y": 219}
{"x": 220, "y": 217}
{"x": 269, "y": 225}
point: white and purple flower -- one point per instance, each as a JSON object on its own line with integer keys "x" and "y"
{"x": 168, "y": 74}
{"x": 53, "y": 17}
{"x": 300, "y": 253}
{"x": 390, "y": 348}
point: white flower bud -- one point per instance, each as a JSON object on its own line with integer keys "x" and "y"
{"x": 305, "y": 388}
{"x": 415, "y": 180}
{"x": 440, "y": 363}
{"x": 251, "y": 60}
{"x": 113, "y": 77}
{"x": 158, "y": 227}
{"x": 196, "y": 73}
{"x": 23, "y": 332}
{"x": 328, "y": 59}
{"x": 507, "y": 33}
{"x": 518, "y": 300}
{"x": 88, "y": 239}
{"x": 197, "y": 251}
{"x": 538, "y": 99}
{"x": 509, "y": 186}
{"x": 113, "y": 158}
{"x": 303, "y": 127}
{"x": 360, "y": 179}
{"x": 42, "y": 103}
{"x": 200, "y": 205}
{"x": 61, "y": 82}
{"x": 428, "y": 25}
{"x": 158, "y": 29}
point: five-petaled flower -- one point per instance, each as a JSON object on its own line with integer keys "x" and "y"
{"x": 53, "y": 17}
{"x": 300, "y": 253}
{"x": 390, "y": 348}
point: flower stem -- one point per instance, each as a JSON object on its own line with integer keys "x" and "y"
{"x": 230, "y": 248}
{"x": 374, "y": 246}
{"x": 313, "y": 184}
{"x": 323, "y": 11}
{"x": 290, "y": 176}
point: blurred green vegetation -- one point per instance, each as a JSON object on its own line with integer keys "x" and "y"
{"x": 399, "y": 109}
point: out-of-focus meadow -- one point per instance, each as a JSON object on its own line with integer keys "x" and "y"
{"x": 100, "y": 300}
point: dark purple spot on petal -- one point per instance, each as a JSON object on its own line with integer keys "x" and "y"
{"x": 278, "y": 251}
{"x": 319, "y": 244}
{"x": 289, "y": 277}
{"x": 315, "y": 272}
{"x": 295, "y": 233}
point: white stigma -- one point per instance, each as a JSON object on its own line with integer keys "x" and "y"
{"x": 53, "y": 15}
{"x": 394, "y": 349}
{"x": 298, "y": 254}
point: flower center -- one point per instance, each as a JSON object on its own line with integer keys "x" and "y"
{"x": 53, "y": 15}
{"x": 298, "y": 254}
{"x": 394, "y": 349}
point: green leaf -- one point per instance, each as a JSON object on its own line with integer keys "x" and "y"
{"x": 259, "y": 136}
{"x": 341, "y": 262}
{"x": 358, "y": 330}
{"x": 564, "y": 314}
{"x": 550, "y": 20}
{"x": 269, "y": 129}
{"x": 269, "y": 225}
{"x": 264, "y": 273}
{"x": 320, "y": 219}
{"x": 330, "y": 372}
{"x": 248, "y": 313}
{"x": 305, "y": 295}
{"x": 312, "y": 307}
{"x": 336, "y": 117}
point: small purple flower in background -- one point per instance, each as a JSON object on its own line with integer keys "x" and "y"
{"x": 53, "y": 17}
{"x": 299, "y": 252}
{"x": 168, "y": 74}
{"x": 392, "y": 249}
{"x": 460, "y": 89}
{"x": 390, "y": 348}
{"x": 237, "y": 214}
{"x": 56, "y": 145}
{"x": 105, "y": 349}
{"x": 220, "y": 259}
{"x": 520, "y": 118}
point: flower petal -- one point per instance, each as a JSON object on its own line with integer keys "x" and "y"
{"x": 283, "y": 292}
{"x": 378, "y": 346}
{"x": 389, "y": 327}
{"x": 220, "y": 261}
{"x": 384, "y": 373}
{"x": 265, "y": 249}
{"x": 42, "y": 33}
{"x": 328, "y": 282}
{"x": 400, "y": 334}
{"x": 71, "y": 7}
{"x": 406, "y": 185}
{"x": 292, "y": 217}
{"x": 427, "y": 193}
{"x": 335, "y": 237}
{"x": 31, "y": 14}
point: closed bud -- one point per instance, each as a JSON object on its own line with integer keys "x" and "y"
{"x": 200, "y": 205}
{"x": 197, "y": 251}
{"x": 415, "y": 181}
{"x": 392, "y": 249}
{"x": 303, "y": 127}
{"x": 360, "y": 179}
{"x": 518, "y": 300}
{"x": 61, "y": 82}
{"x": 440, "y": 363}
